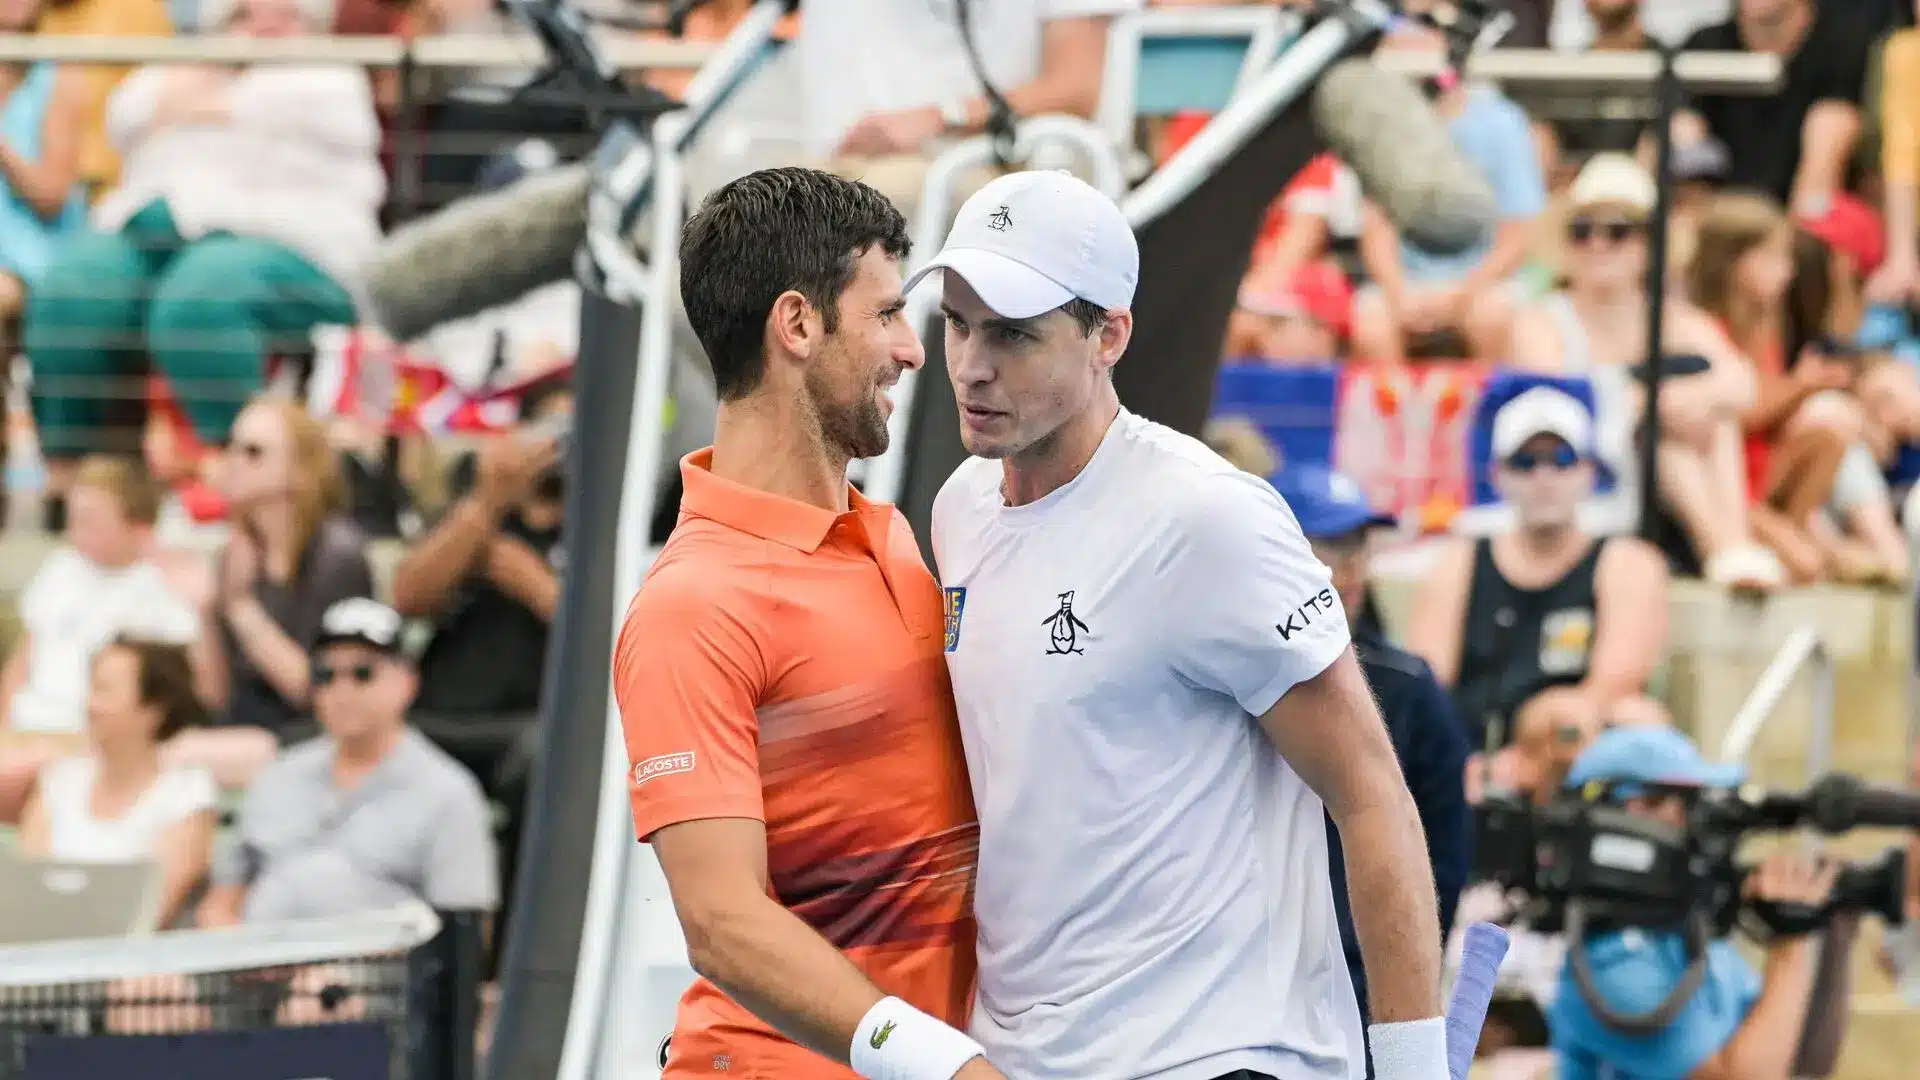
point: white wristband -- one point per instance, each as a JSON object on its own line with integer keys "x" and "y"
{"x": 896, "y": 1041}
{"x": 1409, "y": 1050}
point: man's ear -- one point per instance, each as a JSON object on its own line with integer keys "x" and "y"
{"x": 1114, "y": 335}
{"x": 794, "y": 327}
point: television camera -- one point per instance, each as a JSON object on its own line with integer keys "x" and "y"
{"x": 1585, "y": 864}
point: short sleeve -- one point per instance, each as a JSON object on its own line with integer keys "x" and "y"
{"x": 54, "y": 578}
{"x": 1519, "y": 189}
{"x": 1257, "y": 614}
{"x": 688, "y": 677}
{"x": 187, "y": 791}
{"x": 462, "y": 871}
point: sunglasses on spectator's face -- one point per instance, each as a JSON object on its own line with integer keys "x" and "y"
{"x": 1560, "y": 458}
{"x": 323, "y": 673}
{"x": 1582, "y": 230}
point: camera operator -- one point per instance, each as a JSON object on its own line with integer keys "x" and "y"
{"x": 1740, "y": 1024}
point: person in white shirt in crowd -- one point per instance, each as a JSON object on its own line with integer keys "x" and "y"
{"x": 872, "y": 107}
{"x": 99, "y": 584}
{"x": 121, "y": 801}
{"x": 1148, "y": 659}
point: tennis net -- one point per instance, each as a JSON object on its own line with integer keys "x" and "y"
{"x": 360, "y": 996}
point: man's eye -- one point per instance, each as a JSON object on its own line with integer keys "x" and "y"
{"x": 1007, "y": 335}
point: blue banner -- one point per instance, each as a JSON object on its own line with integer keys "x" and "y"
{"x": 324, "y": 1052}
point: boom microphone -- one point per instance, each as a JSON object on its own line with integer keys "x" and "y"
{"x": 479, "y": 252}
{"x": 1839, "y": 802}
{"x": 1381, "y": 126}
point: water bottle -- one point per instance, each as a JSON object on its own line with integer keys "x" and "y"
{"x": 26, "y": 475}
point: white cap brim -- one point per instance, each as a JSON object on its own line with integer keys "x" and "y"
{"x": 1011, "y": 288}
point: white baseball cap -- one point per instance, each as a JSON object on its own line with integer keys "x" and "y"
{"x": 1614, "y": 180}
{"x": 1029, "y": 242}
{"x": 1542, "y": 410}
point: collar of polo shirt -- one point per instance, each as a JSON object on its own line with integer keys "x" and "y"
{"x": 801, "y": 526}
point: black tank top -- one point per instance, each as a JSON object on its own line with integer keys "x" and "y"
{"x": 1517, "y": 642}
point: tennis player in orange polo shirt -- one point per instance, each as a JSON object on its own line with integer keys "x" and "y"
{"x": 797, "y": 765}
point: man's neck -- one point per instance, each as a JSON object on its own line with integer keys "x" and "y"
{"x": 354, "y": 758}
{"x": 769, "y": 443}
{"x": 1050, "y": 464}
{"x": 1781, "y": 35}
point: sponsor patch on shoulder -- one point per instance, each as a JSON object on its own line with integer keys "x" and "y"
{"x": 660, "y": 765}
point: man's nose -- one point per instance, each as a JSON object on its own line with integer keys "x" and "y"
{"x": 908, "y": 351}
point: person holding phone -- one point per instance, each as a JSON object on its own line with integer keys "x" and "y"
{"x": 487, "y": 573}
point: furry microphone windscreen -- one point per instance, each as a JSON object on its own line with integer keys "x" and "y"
{"x": 480, "y": 252}
{"x": 1404, "y": 155}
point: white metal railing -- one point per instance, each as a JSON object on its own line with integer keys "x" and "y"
{"x": 625, "y": 51}
{"x": 1803, "y": 650}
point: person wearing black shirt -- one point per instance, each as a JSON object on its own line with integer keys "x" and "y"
{"x": 1430, "y": 744}
{"x": 1825, "y": 46}
{"x": 1547, "y": 603}
{"x": 486, "y": 574}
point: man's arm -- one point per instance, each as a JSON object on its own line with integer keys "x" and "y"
{"x": 689, "y": 676}
{"x": 1329, "y": 730}
{"x": 1263, "y": 625}
{"x": 1630, "y": 631}
{"x": 760, "y": 953}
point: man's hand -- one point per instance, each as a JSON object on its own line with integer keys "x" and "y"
{"x": 902, "y": 131}
{"x": 979, "y": 1069}
{"x": 508, "y": 466}
{"x": 1792, "y": 877}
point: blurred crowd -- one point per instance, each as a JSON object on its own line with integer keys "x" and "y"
{"x": 292, "y": 583}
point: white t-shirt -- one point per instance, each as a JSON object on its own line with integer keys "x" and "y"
{"x": 1153, "y": 896}
{"x": 66, "y": 791}
{"x": 72, "y": 608}
{"x": 862, "y": 56}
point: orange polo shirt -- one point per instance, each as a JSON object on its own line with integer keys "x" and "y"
{"x": 784, "y": 663}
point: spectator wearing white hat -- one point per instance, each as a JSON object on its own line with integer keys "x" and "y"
{"x": 1595, "y": 326}
{"x": 1548, "y": 604}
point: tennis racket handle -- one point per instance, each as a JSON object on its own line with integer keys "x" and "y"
{"x": 1481, "y": 952}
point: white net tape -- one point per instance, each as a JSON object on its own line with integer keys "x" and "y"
{"x": 206, "y": 952}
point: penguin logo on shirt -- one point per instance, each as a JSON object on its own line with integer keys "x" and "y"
{"x": 1064, "y": 628}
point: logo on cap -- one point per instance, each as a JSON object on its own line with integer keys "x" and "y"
{"x": 1001, "y": 220}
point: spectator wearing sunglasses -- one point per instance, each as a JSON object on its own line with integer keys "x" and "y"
{"x": 366, "y": 816}
{"x": 1595, "y": 326}
{"x": 289, "y": 557}
{"x": 1547, "y": 604}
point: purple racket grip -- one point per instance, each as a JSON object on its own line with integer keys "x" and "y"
{"x": 1480, "y": 955}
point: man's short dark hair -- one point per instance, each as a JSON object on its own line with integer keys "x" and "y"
{"x": 762, "y": 235}
{"x": 1089, "y": 315}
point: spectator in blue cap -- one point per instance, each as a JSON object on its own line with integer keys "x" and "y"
{"x": 1740, "y": 1023}
{"x": 1432, "y": 747}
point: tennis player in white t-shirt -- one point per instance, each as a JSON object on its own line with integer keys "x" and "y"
{"x": 1157, "y": 695}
